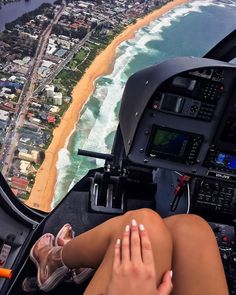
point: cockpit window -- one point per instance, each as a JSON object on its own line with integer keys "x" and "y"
{"x": 56, "y": 98}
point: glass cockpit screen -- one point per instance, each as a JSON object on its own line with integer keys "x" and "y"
{"x": 226, "y": 161}
{"x": 168, "y": 143}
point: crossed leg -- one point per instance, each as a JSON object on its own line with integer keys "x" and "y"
{"x": 184, "y": 243}
{"x": 97, "y": 247}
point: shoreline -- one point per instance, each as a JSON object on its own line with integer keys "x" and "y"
{"x": 42, "y": 193}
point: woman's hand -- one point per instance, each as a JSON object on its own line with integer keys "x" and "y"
{"x": 133, "y": 267}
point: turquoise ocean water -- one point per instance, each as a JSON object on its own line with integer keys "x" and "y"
{"x": 188, "y": 30}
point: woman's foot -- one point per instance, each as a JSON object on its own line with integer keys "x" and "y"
{"x": 66, "y": 234}
{"x": 47, "y": 258}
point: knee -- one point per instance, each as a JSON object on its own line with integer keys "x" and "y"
{"x": 189, "y": 226}
{"x": 144, "y": 215}
{"x": 152, "y": 221}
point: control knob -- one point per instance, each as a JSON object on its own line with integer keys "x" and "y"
{"x": 194, "y": 108}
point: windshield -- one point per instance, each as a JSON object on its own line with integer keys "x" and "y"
{"x": 63, "y": 68}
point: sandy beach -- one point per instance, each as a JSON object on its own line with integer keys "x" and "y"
{"x": 43, "y": 190}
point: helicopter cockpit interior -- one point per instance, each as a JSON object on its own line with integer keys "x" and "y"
{"x": 174, "y": 152}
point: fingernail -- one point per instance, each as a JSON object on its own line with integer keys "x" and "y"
{"x": 171, "y": 274}
{"x": 127, "y": 228}
{"x": 141, "y": 227}
{"x": 118, "y": 242}
{"x": 134, "y": 222}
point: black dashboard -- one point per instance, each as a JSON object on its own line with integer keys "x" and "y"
{"x": 189, "y": 125}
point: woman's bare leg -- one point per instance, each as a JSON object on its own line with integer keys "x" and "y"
{"x": 196, "y": 261}
{"x": 197, "y": 265}
{"x": 95, "y": 248}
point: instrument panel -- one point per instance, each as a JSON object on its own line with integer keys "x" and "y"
{"x": 189, "y": 124}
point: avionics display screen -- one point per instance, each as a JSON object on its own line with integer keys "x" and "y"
{"x": 226, "y": 160}
{"x": 168, "y": 143}
{"x": 169, "y": 102}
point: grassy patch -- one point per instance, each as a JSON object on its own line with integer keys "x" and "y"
{"x": 78, "y": 58}
{"x": 68, "y": 79}
{"x": 63, "y": 108}
{"x": 24, "y": 196}
{"x": 46, "y": 146}
{"x": 15, "y": 99}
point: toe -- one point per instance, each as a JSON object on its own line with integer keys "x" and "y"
{"x": 66, "y": 235}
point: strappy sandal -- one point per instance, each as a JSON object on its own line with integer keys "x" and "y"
{"x": 57, "y": 276}
{"x": 85, "y": 273}
{"x": 60, "y": 235}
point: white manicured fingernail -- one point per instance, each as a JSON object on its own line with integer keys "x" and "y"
{"x": 171, "y": 274}
{"x": 134, "y": 222}
{"x": 118, "y": 242}
{"x": 127, "y": 228}
{"x": 141, "y": 227}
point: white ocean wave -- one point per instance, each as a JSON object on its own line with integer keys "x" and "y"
{"x": 154, "y": 30}
{"x": 222, "y": 3}
{"x": 106, "y": 121}
{"x": 101, "y": 91}
{"x": 87, "y": 116}
{"x": 156, "y": 27}
{"x": 86, "y": 123}
{"x": 231, "y": 3}
{"x": 121, "y": 62}
{"x": 62, "y": 166}
{"x": 87, "y": 119}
